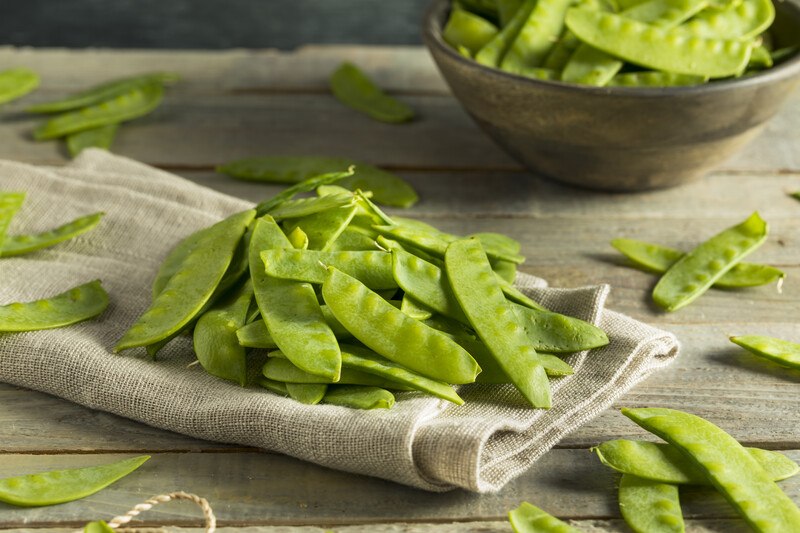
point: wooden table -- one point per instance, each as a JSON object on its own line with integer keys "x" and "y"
{"x": 247, "y": 103}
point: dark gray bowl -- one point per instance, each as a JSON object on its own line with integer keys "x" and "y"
{"x": 619, "y": 138}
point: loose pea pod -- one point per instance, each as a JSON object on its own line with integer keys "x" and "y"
{"x": 307, "y": 393}
{"x": 23, "y": 244}
{"x": 99, "y": 137}
{"x": 60, "y": 486}
{"x": 303, "y": 207}
{"x": 359, "y": 397}
{"x": 649, "y": 506}
{"x": 275, "y": 386}
{"x": 733, "y": 471}
{"x": 698, "y": 270}
{"x": 303, "y": 186}
{"x": 779, "y": 351}
{"x": 16, "y": 83}
{"x": 373, "y": 269}
{"x": 10, "y": 203}
{"x": 556, "y": 333}
{"x": 135, "y": 103}
{"x": 354, "y": 89}
{"x": 70, "y": 307}
{"x": 468, "y": 30}
{"x": 528, "y": 518}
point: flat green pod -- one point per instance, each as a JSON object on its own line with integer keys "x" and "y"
{"x": 506, "y": 270}
{"x": 16, "y": 83}
{"x": 354, "y": 89}
{"x": 75, "y": 305}
{"x": 732, "y": 471}
{"x": 192, "y": 285}
{"x": 649, "y": 506}
{"x": 61, "y": 486}
{"x": 323, "y": 228}
{"x": 352, "y": 240}
{"x": 698, "y": 270}
{"x": 654, "y": 78}
{"x": 132, "y": 104}
{"x": 492, "y": 54}
{"x": 97, "y": 527}
{"x": 537, "y": 37}
{"x": 556, "y": 333}
{"x": 278, "y": 368}
{"x": 10, "y": 203}
{"x": 664, "y": 463}
{"x": 528, "y": 518}
{"x": 357, "y": 397}
{"x": 465, "y": 29}
{"x": 15, "y": 245}
{"x": 656, "y": 258}
{"x": 306, "y": 185}
{"x": 414, "y": 309}
{"x": 275, "y": 386}
{"x": 256, "y": 335}
{"x": 303, "y": 207}
{"x": 741, "y": 20}
{"x": 492, "y": 372}
{"x": 99, "y": 137}
{"x": 372, "y": 268}
{"x": 298, "y": 238}
{"x": 307, "y": 393}
{"x": 785, "y": 353}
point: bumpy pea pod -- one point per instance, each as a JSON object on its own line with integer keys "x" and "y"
{"x": 779, "y": 351}
{"x": 649, "y": 506}
{"x": 698, "y": 270}
{"x": 464, "y": 29}
{"x": 277, "y": 368}
{"x": 354, "y": 89}
{"x": 389, "y": 332}
{"x": 99, "y": 137}
{"x": 655, "y": 79}
{"x": 666, "y": 464}
{"x": 414, "y": 309}
{"x": 60, "y": 486}
{"x": 22, "y": 244}
{"x": 307, "y": 393}
{"x": 494, "y": 51}
{"x": 537, "y": 36}
{"x": 135, "y": 103}
{"x": 303, "y": 207}
{"x": 556, "y": 333}
{"x": 10, "y": 202}
{"x": 256, "y": 335}
{"x": 304, "y": 186}
{"x": 492, "y": 317}
{"x": 359, "y": 397}
{"x": 70, "y": 307}
{"x": 742, "y": 21}
{"x": 528, "y": 518}
{"x": 16, "y": 83}
{"x": 733, "y": 471}
{"x": 193, "y": 284}
{"x": 291, "y": 311}
{"x": 568, "y": 43}
{"x": 373, "y": 268}
{"x": 656, "y": 258}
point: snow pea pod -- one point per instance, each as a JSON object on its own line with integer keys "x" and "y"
{"x": 742, "y": 21}
{"x": 298, "y": 238}
{"x": 275, "y": 386}
{"x": 537, "y": 36}
{"x": 505, "y": 269}
{"x": 655, "y": 79}
{"x": 256, "y": 335}
{"x": 352, "y": 240}
{"x": 278, "y": 368}
{"x": 506, "y": 9}
{"x": 492, "y": 372}
{"x": 307, "y": 393}
{"x": 16, "y": 83}
{"x": 475, "y": 286}
{"x": 387, "y": 188}
{"x": 359, "y": 397}
{"x": 10, "y": 203}
{"x": 22, "y": 244}
{"x": 666, "y": 464}
{"x": 60, "y": 486}
{"x": 372, "y": 268}
{"x": 528, "y": 518}
{"x": 656, "y": 258}
{"x": 556, "y": 333}
{"x": 99, "y": 137}
{"x": 323, "y": 228}
{"x": 75, "y": 305}
{"x": 494, "y": 51}
{"x": 426, "y": 283}
{"x": 354, "y": 89}
{"x": 97, "y": 527}
{"x": 102, "y": 93}
{"x": 468, "y": 30}
{"x": 649, "y": 506}
{"x": 303, "y": 186}
{"x": 660, "y": 49}
{"x": 303, "y": 207}
{"x": 191, "y": 286}
{"x": 698, "y": 270}
{"x": 132, "y": 104}
{"x": 386, "y": 330}
{"x": 414, "y": 309}
{"x": 779, "y": 351}
{"x": 733, "y": 471}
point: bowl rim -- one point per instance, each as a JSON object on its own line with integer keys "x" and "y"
{"x": 432, "y": 35}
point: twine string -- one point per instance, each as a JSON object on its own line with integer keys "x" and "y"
{"x": 208, "y": 513}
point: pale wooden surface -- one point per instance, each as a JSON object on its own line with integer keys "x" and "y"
{"x": 247, "y": 103}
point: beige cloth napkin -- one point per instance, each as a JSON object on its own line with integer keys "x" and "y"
{"x": 423, "y": 442}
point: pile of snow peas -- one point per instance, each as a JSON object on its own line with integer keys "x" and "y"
{"x": 636, "y": 43}
{"x": 353, "y": 304}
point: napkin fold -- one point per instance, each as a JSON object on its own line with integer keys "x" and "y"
{"x": 423, "y": 442}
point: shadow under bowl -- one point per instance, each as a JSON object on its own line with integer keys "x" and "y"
{"x": 618, "y": 138}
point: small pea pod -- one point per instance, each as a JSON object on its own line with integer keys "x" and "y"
{"x": 303, "y": 207}
{"x": 323, "y": 228}
{"x": 70, "y": 307}
{"x": 414, "y": 309}
{"x": 303, "y": 186}
{"x": 307, "y": 393}
{"x": 298, "y": 238}
{"x": 373, "y": 268}
{"x": 537, "y": 36}
{"x": 359, "y": 397}
{"x": 23, "y": 244}
{"x": 505, "y": 269}
{"x": 733, "y": 471}
{"x": 698, "y": 270}
{"x": 468, "y": 30}
{"x": 256, "y": 335}
{"x": 60, "y": 486}
{"x": 354, "y": 89}
{"x": 99, "y": 137}
{"x": 275, "y": 386}
{"x": 133, "y": 104}
{"x": 528, "y": 518}
{"x": 16, "y": 83}
{"x": 494, "y": 51}
{"x": 277, "y": 368}
{"x": 779, "y": 351}
{"x": 649, "y": 506}
{"x": 10, "y": 203}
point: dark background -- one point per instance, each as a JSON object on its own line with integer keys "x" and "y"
{"x": 207, "y": 24}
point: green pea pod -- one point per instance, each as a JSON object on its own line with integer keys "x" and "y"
{"x": 100, "y": 137}
{"x": 275, "y": 386}
{"x": 359, "y": 397}
{"x": 192, "y": 285}
{"x": 60, "y": 486}
{"x": 733, "y": 471}
{"x": 528, "y": 518}
{"x": 506, "y": 270}
{"x": 16, "y": 83}
{"x": 666, "y": 464}
{"x": 742, "y": 21}
{"x": 102, "y": 93}
{"x": 698, "y": 270}
{"x": 649, "y": 506}
{"x": 354, "y": 89}
{"x": 657, "y": 48}
{"x": 414, "y": 309}
{"x": 309, "y": 394}
{"x": 656, "y": 258}
{"x": 10, "y": 203}
{"x": 492, "y": 372}
{"x": 23, "y": 244}
{"x": 386, "y": 330}
{"x": 322, "y": 229}
{"x": 303, "y": 186}
{"x": 475, "y": 286}
{"x": 654, "y": 78}
{"x": 98, "y": 527}
{"x": 373, "y": 269}
{"x": 135, "y": 103}
{"x": 537, "y": 36}
{"x": 779, "y": 351}
{"x": 70, "y": 307}
{"x": 464, "y": 29}
{"x": 278, "y": 368}
{"x": 760, "y": 59}
{"x": 298, "y": 238}
{"x": 556, "y": 333}
{"x": 256, "y": 335}
{"x": 494, "y": 51}
{"x": 303, "y": 207}
{"x": 506, "y": 9}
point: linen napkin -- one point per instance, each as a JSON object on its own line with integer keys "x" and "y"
{"x": 423, "y": 442}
